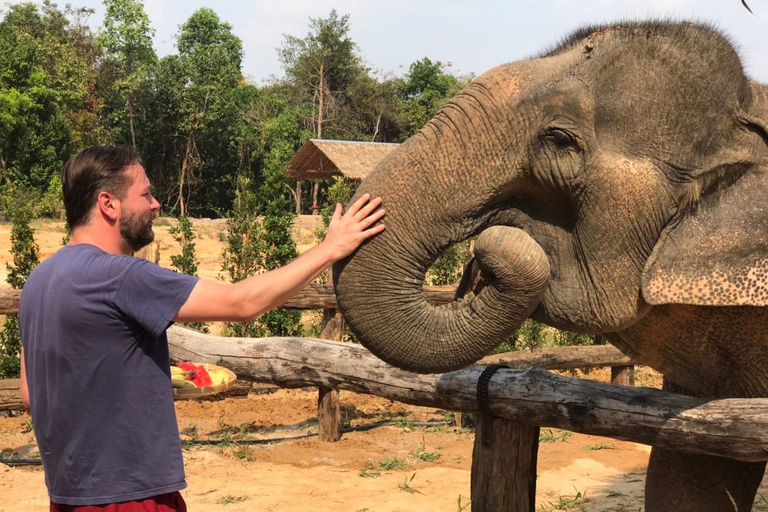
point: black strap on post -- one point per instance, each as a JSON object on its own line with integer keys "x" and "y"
{"x": 482, "y": 400}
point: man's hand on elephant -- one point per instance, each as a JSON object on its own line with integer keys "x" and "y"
{"x": 346, "y": 232}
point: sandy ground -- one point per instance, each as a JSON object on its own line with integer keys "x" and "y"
{"x": 308, "y": 474}
{"x": 432, "y": 467}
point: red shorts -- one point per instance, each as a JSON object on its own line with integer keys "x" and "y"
{"x": 171, "y": 502}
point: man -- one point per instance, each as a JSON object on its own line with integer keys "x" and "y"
{"x": 93, "y": 319}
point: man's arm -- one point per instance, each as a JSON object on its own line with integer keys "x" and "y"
{"x": 23, "y": 383}
{"x": 212, "y": 301}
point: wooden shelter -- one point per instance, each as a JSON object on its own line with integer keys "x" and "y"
{"x": 323, "y": 159}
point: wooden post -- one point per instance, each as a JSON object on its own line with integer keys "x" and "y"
{"x": 298, "y": 196}
{"x": 328, "y": 406}
{"x": 10, "y": 395}
{"x": 623, "y": 375}
{"x": 150, "y": 252}
{"x": 504, "y": 466}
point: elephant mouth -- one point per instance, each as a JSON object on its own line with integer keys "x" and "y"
{"x": 476, "y": 275}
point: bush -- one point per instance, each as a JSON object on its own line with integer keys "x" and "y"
{"x": 186, "y": 262}
{"x": 243, "y": 252}
{"x": 25, "y": 257}
{"x": 448, "y": 267}
{"x": 340, "y": 191}
{"x": 533, "y": 335}
{"x": 255, "y": 245}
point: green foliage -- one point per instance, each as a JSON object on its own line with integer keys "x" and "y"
{"x": 569, "y": 502}
{"x": 10, "y": 348}
{"x": 424, "y": 91}
{"x": 448, "y": 267}
{"x": 25, "y": 257}
{"x": 391, "y": 463}
{"x": 322, "y": 66}
{"x": 548, "y": 435}
{"x": 368, "y": 470}
{"x": 422, "y": 455}
{"x": 186, "y": 262}
{"x": 257, "y": 244}
{"x": 532, "y": 335}
{"x": 569, "y": 339}
{"x": 529, "y": 336}
{"x": 24, "y": 249}
{"x": 46, "y": 82}
{"x": 600, "y": 446}
{"x": 243, "y": 252}
{"x": 340, "y": 191}
{"x": 406, "y": 485}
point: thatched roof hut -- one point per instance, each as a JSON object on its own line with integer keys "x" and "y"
{"x": 318, "y": 159}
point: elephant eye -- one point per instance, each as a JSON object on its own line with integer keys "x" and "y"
{"x": 559, "y": 138}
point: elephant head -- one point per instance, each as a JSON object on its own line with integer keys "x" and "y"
{"x": 625, "y": 168}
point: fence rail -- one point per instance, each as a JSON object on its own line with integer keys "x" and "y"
{"x": 734, "y": 428}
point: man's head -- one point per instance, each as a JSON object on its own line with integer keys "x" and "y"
{"x": 110, "y": 182}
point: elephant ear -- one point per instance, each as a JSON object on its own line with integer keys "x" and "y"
{"x": 717, "y": 254}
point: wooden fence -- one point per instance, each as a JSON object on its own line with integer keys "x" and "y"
{"x": 520, "y": 399}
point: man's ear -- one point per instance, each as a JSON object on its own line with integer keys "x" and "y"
{"x": 108, "y": 205}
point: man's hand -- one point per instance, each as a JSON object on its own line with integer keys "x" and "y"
{"x": 347, "y": 232}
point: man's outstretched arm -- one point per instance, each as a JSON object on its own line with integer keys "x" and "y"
{"x": 212, "y": 301}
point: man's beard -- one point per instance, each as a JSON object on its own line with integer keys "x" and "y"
{"x": 136, "y": 233}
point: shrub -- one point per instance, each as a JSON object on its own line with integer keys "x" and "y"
{"x": 186, "y": 262}
{"x": 448, "y": 267}
{"x": 340, "y": 191}
{"x": 25, "y": 257}
{"x": 243, "y": 252}
{"x": 256, "y": 244}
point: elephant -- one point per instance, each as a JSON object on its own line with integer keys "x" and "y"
{"x": 617, "y": 183}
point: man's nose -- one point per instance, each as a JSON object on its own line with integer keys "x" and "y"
{"x": 155, "y": 205}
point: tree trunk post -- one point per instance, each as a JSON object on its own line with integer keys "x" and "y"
{"x": 504, "y": 466}
{"x": 150, "y": 252}
{"x": 328, "y": 406}
{"x": 623, "y": 375}
{"x": 298, "y": 196}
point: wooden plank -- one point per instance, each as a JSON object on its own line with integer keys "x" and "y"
{"x": 312, "y": 297}
{"x": 561, "y": 358}
{"x": 734, "y": 428}
{"x": 9, "y": 302}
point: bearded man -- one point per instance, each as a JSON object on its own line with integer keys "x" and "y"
{"x": 95, "y": 368}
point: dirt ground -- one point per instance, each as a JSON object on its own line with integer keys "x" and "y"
{"x": 400, "y": 467}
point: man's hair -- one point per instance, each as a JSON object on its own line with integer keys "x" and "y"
{"x": 96, "y": 169}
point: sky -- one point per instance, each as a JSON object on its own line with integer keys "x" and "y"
{"x": 472, "y": 35}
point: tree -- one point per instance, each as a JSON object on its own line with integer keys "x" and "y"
{"x": 323, "y": 65}
{"x": 424, "y": 91}
{"x": 127, "y": 40}
{"x": 281, "y": 137}
{"x": 46, "y": 84}
{"x": 210, "y": 106}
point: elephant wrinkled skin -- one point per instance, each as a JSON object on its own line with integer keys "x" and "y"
{"x": 619, "y": 185}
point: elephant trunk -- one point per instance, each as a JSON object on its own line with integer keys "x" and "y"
{"x": 380, "y": 287}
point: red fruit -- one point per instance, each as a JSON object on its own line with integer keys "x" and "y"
{"x": 186, "y": 365}
{"x": 201, "y": 378}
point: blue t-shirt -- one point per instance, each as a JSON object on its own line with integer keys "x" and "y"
{"x": 96, "y": 355}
